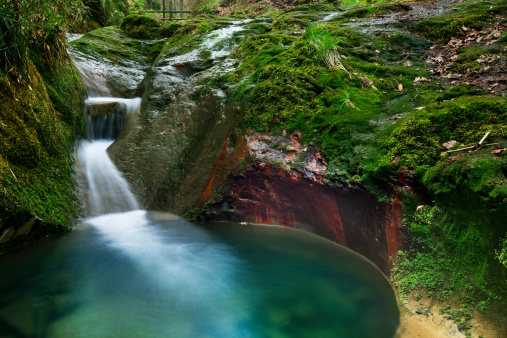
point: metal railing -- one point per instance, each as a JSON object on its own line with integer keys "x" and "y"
{"x": 170, "y": 18}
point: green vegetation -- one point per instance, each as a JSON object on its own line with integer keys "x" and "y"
{"x": 473, "y": 14}
{"x": 140, "y": 26}
{"x": 109, "y": 12}
{"x": 370, "y": 131}
{"x": 324, "y": 45}
{"x": 34, "y": 30}
{"x": 379, "y": 9}
{"x": 355, "y": 92}
{"x": 204, "y": 6}
{"x": 38, "y": 127}
{"x": 344, "y": 110}
{"x": 417, "y": 141}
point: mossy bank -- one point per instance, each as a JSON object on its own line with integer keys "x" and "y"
{"x": 39, "y": 124}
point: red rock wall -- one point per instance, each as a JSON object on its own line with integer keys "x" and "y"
{"x": 353, "y": 218}
{"x": 267, "y": 195}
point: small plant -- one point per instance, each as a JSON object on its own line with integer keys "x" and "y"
{"x": 324, "y": 44}
{"x": 277, "y": 165}
{"x": 345, "y": 100}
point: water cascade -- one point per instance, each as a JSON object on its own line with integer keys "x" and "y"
{"x": 107, "y": 190}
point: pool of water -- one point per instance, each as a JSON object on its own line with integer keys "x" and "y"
{"x": 139, "y": 274}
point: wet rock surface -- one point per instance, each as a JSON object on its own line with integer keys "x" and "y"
{"x": 167, "y": 151}
{"x": 111, "y": 63}
{"x": 106, "y": 108}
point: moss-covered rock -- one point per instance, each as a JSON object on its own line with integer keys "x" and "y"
{"x": 473, "y": 14}
{"x": 418, "y": 140}
{"x": 379, "y": 9}
{"x": 39, "y": 123}
{"x": 140, "y": 26}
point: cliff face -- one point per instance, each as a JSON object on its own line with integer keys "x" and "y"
{"x": 39, "y": 124}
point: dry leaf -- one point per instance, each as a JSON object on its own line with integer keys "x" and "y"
{"x": 400, "y": 87}
{"x": 449, "y": 144}
{"x": 396, "y": 117}
{"x": 498, "y": 151}
{"x": 421, "y": 79}
{"x": 439, "y": 59}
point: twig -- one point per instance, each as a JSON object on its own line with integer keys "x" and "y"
{"x": 471, "y": 147}
{"x": 13, "y": 174}
{"x": 484, "y": 137}
{"x": 455, "y": 150}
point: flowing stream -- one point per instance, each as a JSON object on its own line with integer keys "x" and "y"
{"x": 127, "y": 272}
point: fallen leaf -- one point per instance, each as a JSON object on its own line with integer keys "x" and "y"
{"x": 449, "y": 144}
{"x": 407, "y": 64}
{"x": 179, "y": 64}
{"x": 396, "y": 117}
{"x": 400, "y": 87}
{"x": 498, "y": 151}
{"x": 421, "y": 79}
{"x": 395, "y": 161}
{"x": 439, "y": 59}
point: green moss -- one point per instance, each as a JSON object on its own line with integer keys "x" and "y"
{"x": 112, "y": 43}
{"x": 455, "y": 92}
{"x": 286, "y": 87}
{"x": 380, "y": 9}
{"x": 467, "y": 59}
{"x": 139, "y": 26}
{"x": 417, "y": 141}
{"x": 475, "y": 15}
{"x": 478, "y": 181}
{"x": 39, "y": 125}
{"x": 301, "y": 16}
{"x": 169, "y": 28}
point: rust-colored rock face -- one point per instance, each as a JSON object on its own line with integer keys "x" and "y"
{"x": 291, "y": 192}
{"x": 353, "y": 218}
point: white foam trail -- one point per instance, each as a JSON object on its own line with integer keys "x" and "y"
{"x": 193, "y": 273}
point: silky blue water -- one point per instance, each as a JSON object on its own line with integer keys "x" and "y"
{"x": 139, "y": 274}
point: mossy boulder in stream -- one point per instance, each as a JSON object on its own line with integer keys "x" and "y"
{"x": 39, "y": 123}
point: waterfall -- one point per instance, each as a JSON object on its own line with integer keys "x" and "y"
{"x": 106, "y": 190}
